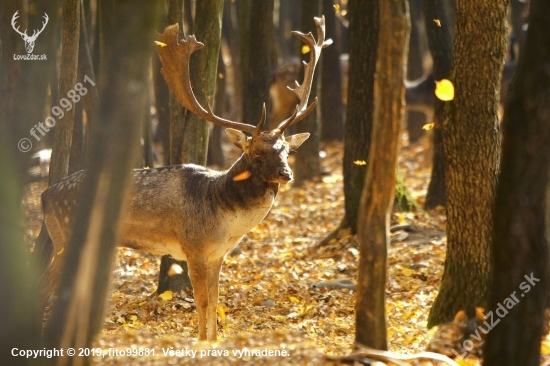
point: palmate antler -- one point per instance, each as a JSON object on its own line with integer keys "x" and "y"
{"x": 175, "y": 57}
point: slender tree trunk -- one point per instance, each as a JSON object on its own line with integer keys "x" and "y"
{"x": 377, "y": 197}
{"x": 472, "y": 144}
{"x": 203, "y": 69}
{"x": 520, "y": 250}
{"x": 308, "y": 164}
{"x": 363, "y": 29}
{"x": 332, "y": 108}
{"x": 90, "y": 254}
{"x": 440, "y": 40}
{"x": 59, "y": 164}
{"x": 255, "y": 41}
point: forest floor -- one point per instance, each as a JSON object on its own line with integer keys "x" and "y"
{"x": 276, "y": 294}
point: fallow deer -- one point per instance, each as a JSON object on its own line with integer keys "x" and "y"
{"x": 188, "y": 211}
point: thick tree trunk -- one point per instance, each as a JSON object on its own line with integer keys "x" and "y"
{"x": 78, "y": 314}
{"x": 308, "y": 163}
{"x": 471, "y": 141}
{"x": 377, "y": 197}
{"x": 520, "y": 251}
{"x": 440, "y": 41}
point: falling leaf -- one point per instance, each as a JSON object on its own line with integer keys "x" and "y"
{"x": 61, "y": 250}
{"x": 444, "y": 90}
{"x": 221, "y": 313}
{"x": 305, "y": 49}
{"x": 428, "y": 126}
{"x": 337, "y": 8}
{"x": 166, "y": 295}
{"x": 437, "y": 22}
{"x": 360, "y": 162}
{"x": 242, "y": 176}
{"x": 175, "y": 269}
{"x": 160, "y": 44}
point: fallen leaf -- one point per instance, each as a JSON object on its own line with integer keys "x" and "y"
{"x": 166, "y": 295}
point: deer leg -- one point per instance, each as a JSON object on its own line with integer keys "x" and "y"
{"x": 198, "y": 275}
{"x": 213, "y": 285}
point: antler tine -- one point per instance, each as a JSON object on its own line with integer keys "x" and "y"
{"x": 13, "y": 19}
{"x": 174, "y": 57}
{"x": 303, "y": 91}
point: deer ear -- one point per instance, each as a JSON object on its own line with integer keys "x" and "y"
{"x": 238, "y": 138}
{"x": 296, "y": 140}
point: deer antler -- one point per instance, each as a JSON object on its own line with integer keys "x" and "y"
{"x": 175, "y": 57}
{"x": 303, "y": 91}
{"x": 13, "y": 19}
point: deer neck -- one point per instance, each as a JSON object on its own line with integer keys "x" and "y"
{"x": 249, "y": 190}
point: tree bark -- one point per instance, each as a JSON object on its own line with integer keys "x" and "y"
{"x": 519, "y": 249}
{"x": 378, "y": 192}
{"x": 363, "y": 34}
{"x": 59, "y": 164}
{"x": 332, "y": 107}
{"x": 440, "y": 41}
{"x": 255, "y": 42}
{"x": 308, "y": 164}
{"x": 78, "y": 314}
{"x": 471, "y": 141}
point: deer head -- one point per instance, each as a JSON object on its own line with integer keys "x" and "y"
{"x": 29, "y": 40}
{"x": 266, "y": 150}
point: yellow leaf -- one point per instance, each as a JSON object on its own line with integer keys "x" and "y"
{"x": 337, "y": 8}
{"x": 437, "y": 22}
{"x": 242, "y": 176}
{"x": 444, "y": 90}
{"x": 61, "y": 250}
{"x": 428, "y": 126}
{"x": 175, "y": 269}
{"x": 294, "y": 299}
{"x": 221, "y": 313}
{"x": 305, "y": 49}
{"x": 166, "y": 295}
{"x": 360, "y": 162}
{"x": 160, "y": 44}
{"x": 407, "y": 272}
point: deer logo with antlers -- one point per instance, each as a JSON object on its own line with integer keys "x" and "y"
{"x": 29, "y": 40}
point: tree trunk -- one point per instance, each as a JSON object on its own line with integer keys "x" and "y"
{"x": 78, "y": 314}
{"x": 59, "y": 164}
{"x": 377, "y": 197}
{"x": 520, "y": 251}
{"x": 363, "y": 35}
{"x": 203, "y": 70}
{"x": 174, "y": 14}
{"x": 332, "y": 108}
{"x": 308, "y": 164}
{"x": 415, "y": 67}
{"x": 440, "y": 41}
{"x": 472, "y": 144}
{"x": 255, "y": 41}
